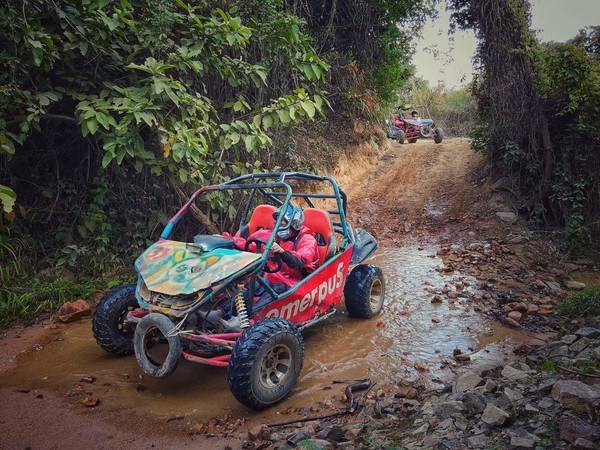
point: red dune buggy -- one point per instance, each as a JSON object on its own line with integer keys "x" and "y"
{"x": 196, "y": 295}
{"x": 403, "y": 127}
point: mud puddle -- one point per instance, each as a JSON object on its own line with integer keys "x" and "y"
{"x": 411, "y": 337}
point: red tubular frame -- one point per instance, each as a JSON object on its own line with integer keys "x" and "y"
{"x": 223, "y": 339}
{"x": 218, "y": 361}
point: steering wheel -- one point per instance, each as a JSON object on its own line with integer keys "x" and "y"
{"x": 260, "y": 248}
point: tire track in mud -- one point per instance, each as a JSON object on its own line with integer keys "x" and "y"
{"x": 416, "y": 189}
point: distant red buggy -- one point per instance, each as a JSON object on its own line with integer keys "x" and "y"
{"x": 410, "y": 127}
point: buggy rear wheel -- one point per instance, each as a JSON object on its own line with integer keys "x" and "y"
{"x": 109, "y": 325}
{"x": 157, "y": 349}
{"x": 365, "y": 291}
{"x": 438, "y": 136}
{"x": 265, "y": 363}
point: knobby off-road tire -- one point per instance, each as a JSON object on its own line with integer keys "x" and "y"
{"x": 438, "y": 135}
{"x": 107, "y": 324}
{"x": 156, "y": 325}
{"x": 265, "y": 363}
{"x": 365, "y": 291}
{"x": 401, "y": 137}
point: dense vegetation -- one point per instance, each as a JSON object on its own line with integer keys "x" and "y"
{"x": 539, "y": 118}
{"x": 111, "y": 112}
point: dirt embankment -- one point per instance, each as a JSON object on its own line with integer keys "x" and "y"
{"x": 455, "y": 256}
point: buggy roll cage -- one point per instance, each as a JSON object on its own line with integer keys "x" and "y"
{"x": 265, "y": 184}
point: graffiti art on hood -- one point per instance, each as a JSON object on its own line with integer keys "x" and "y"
{"x": 173, "y": 268}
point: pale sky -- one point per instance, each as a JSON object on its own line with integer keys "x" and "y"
{"x": 438, "y": 59}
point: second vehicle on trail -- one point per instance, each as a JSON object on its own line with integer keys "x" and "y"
{"x": 203, "y": 298}
{"x": 404, "y": 126}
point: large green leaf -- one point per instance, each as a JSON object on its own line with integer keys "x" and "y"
{"x": 309, "y": 107}
{"x": 7, "y": 198}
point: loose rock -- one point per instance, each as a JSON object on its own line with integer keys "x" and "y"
{"x": 494, "y": 416}
{"x": 584, "y": 444}
{"x": 574, "y": 394}
{"x": 467, "y": 381}
{"x": 522, "y": 442}
{"x": 572, "y": 428}
{"x": 580, "y": 345}
{"x": 71, "y": 311}
{"x": 473, "y": 404}
{"x": 515, "y": 315}
{"x": 575, "y": 285}
{"x": 508, "y": 217}
{"x": 478, "y": 441}
{"x": 512, "y": 374}
{"x": 588, "y": 332}
{"x": 448, "y": 408}
{"x": 90, "y": 402}
{"x": 512, "y": 395}
{"x": 569, "y": 339}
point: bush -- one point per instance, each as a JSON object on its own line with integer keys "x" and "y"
{"x": 583, "y": 304}
{"x": 26, "y": 301}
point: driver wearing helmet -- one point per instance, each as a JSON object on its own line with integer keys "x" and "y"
{"x": 296, "y": 246}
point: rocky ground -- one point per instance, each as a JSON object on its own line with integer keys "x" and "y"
{"x": 494, "y": 406}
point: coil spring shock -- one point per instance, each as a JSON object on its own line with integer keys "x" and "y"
{"x": 240, "y": 306}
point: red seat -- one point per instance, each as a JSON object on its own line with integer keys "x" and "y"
{"x": 262, "y": 217}
{"x": 319, "y": 222}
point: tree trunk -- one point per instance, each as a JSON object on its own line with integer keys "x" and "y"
{"x": 198, "y": 214}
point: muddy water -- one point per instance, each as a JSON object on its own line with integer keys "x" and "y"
{"x": 386, "y": 348}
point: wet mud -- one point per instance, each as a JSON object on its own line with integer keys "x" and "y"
{"x": 409, "y": 340}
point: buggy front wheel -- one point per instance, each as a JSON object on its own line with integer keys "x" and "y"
{"x": 365, "y": 291}
{"x": 110, "y": 327}
{"x": 401, "y": 137}
{"x": 265, "y": 363}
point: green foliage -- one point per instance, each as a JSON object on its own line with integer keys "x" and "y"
{"x": 548, "y": 365}
{"x": 142, "y": 93}
{"x": 538, "y": 114}
{"x": 7, "y": 198}
{"x": 583, "y": 304}
{"x": 370, "y": 46}
{"x": 35, "y": 297}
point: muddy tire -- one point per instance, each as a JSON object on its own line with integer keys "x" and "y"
{"x": 365, "y": 291}
{"x": 153, "y": 328}
{"x": 438, "y": 136}
{"x": 265, "y": 363}
{"x": 107, "y": 324}
{"x": 401, "y": 137}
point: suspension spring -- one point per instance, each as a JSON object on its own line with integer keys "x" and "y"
{"x": 240, "y": 306}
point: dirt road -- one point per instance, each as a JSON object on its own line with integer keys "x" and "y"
{"x": 419, "y": 190}
{"x": 419, "y": 196}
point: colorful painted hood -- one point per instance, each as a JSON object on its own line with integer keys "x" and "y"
{"x": 174, "y": 268}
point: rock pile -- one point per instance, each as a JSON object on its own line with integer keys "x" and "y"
{"x": 516, "y": 406}
{"x": 513, "y": 282}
